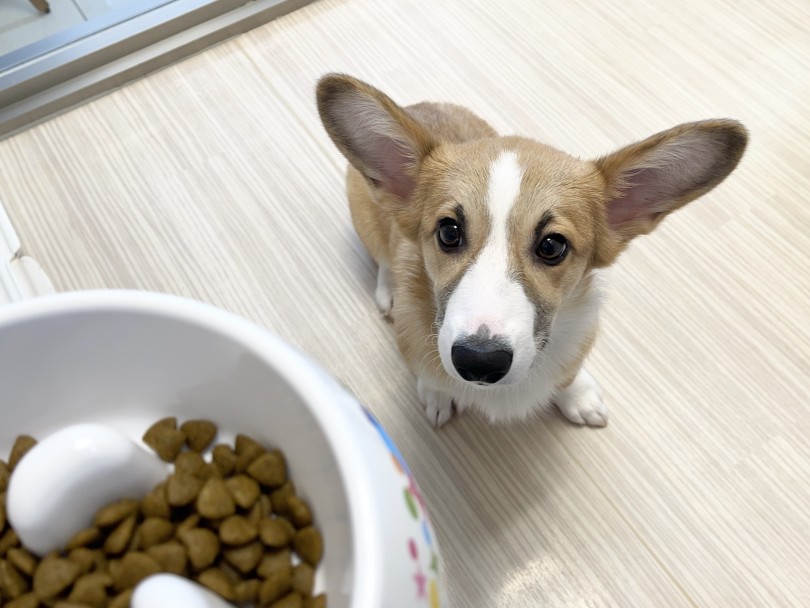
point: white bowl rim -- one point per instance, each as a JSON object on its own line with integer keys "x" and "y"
{"x": 367, "y": 539}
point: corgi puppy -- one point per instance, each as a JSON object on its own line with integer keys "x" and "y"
{"x": 489, "y": 247}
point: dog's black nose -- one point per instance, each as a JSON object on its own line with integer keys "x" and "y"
{"x": 481, "y": 359}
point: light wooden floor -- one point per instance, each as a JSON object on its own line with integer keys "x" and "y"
{"x": 213, "y": 179}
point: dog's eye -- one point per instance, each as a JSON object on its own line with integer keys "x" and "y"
{"x": 449, "y": 234}
{"x": 552, "y": 249}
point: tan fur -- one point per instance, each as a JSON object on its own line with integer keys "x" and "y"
{"x": 446, "y": 153}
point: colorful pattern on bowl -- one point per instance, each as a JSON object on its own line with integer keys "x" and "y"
{"x": 421, "y": 547}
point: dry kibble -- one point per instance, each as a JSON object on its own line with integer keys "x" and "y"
{"x": 214, "y": 501}
{"x": 247, "y": 592}
{"x": 189, "y": 523}
{"x": 5, "y": 474}
{"x": 155, "y": 530}
{"x": 303, "y": 579}
{"x": 280, "y": 497}
{"x": 8, "y": 540}
{"x": 22, "y": 444}
{"x": 171, "y": 556}
{"x": 29, "y": 600}
{"x": 237, "y": 530}
{"x": 309, "y": 545}
{"x": 121, "y": 600}
{"x": 245, "y": 491}
{"x": 292, "y": 600}
{"x": 217, "y": 581}
{"x": 115, "y": 512}
{"x": 84, "y": 538}
{"x": 274, "y": 533}
{"x": 182, "y": 489}
{"x": 191, "y": 463}
{"x": 202, "y": 545}
{"x": 319, "y": 601}
{"x": 247, "y": 451}
{"x": 276, "y": 584}
{"x": 22, "y": 560}
{"x": 155, "y": 504}
{"x": 54, "y": 575}
{"x": 91, "y": 590}
{"x": 165, "y": 438}
{"x": 299, "y": 512}
{"x": 269, "y": 469}
{"x": 273, "y": 562}
{"x": 12, "y": 583}
{"x": 87, "y": 559}
{"x": 132, "y": 569}
{"x": 244, "y": 558}
{"x": 119, "y": 539}
{"x": 223, "y": 458}
{"x": 199, "y": 433}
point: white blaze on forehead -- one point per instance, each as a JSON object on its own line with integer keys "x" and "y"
{"x": 486, "y": 295}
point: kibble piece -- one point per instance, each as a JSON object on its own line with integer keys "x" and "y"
{"x": 303, "y": 579}
{"x": 218, "y": 582}
{"x": 155, "y": 504}
{"x": 247, "y": 592}
{"x": 223, "y": 457}
{"x": 91, "y": 590}
{"x": 182, "y": 489}
{"x": 84, "y": 538}
{"x": 199, "y": 433}
{"x": 274, "y": 533}
{"x": 22, "y": 560}
{"x": 5, "y": 475}
{"x": 280, "y": 561}
{"x": 245, "y": 490}
{"x": 247, "y": 450}
{"x": 292, "y": 600}
{"x": 299, "y": 512}
{"x": 189, "y": 523}
{"x": 155, "y": 530}
{"x": 203, "y": 547}
{"x": 87, "y": 559}
{"x": 119, "y": 539}
{"x": 171, "y": 556}
{"x": 22, "y": 444}
{"x": 269, "y": 469}
{"x": 115, "y": 512}
{"x": 275, "y": 585}
{"x": 132, "y": 569}
{"x": 309, "y": 545}
{"x": 237, "y": 530}
{"x": 319, "y": 601}
{"x": 122, "y": 600}
{"x": 191, "y": 463}
{"x": 54, "y": 575}
{"x": 12, "y": 583}
{"x": 214, "y": 501}
{"x": 29, "y": 600}
{"x": 8, "y": 540}
{"x": 244, "y": 558}
{"x": 280, "y": 496}
{"x": 165, "y": 438}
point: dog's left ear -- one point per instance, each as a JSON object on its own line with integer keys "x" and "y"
{"x": 648, "y": 180}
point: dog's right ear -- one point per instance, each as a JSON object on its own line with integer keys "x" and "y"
{"x": 377, "y": 137}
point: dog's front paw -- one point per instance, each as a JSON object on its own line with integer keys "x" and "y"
{"x": 384, "y": 294}
{"x": 581, "y": 401}
{"x": 439, "y": 407}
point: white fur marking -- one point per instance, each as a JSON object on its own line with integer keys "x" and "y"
{"x": 486, "y": 295}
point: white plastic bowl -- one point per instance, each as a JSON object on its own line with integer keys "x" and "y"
{"x": 126, "y": 359}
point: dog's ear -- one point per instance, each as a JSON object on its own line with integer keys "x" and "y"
{"x": 377, "y": 137}
{"x": 650, "y": 179}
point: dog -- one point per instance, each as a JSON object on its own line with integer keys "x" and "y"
{"x": 489, "y": 247}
